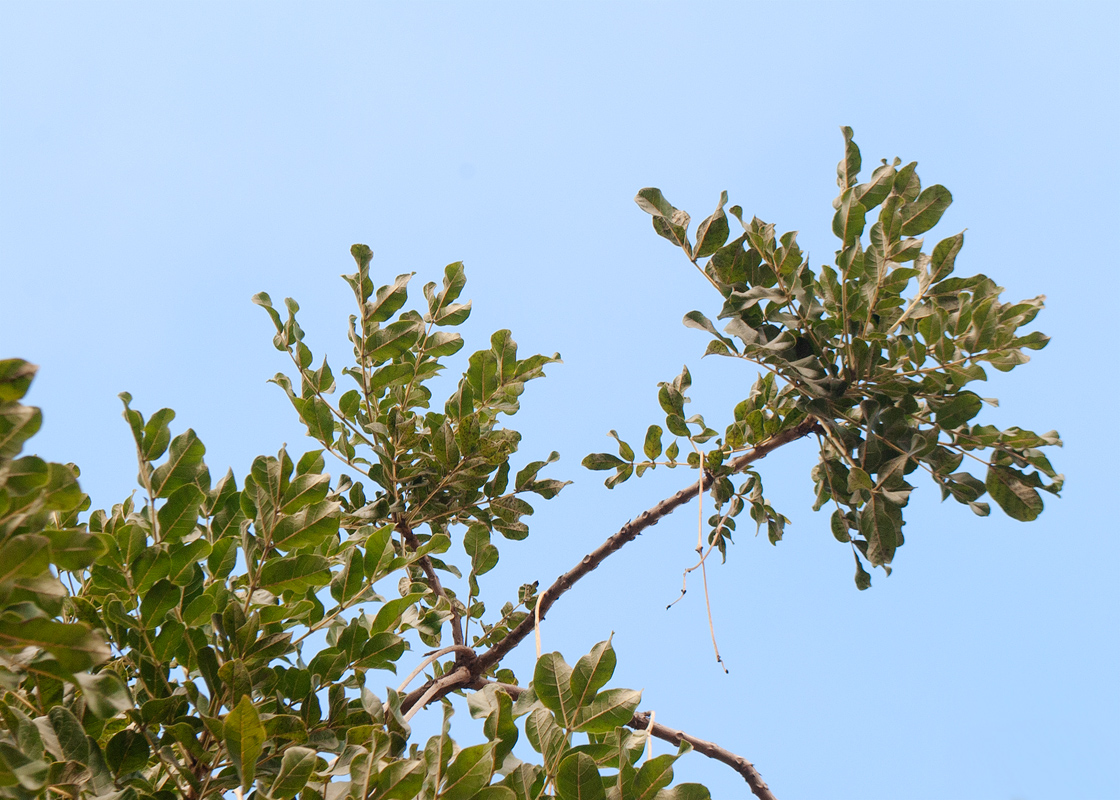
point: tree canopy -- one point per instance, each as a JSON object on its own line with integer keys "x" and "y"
{"x": 213, "y": 636}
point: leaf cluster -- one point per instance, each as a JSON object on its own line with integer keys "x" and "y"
{"x": 878, "y": 353}
{"x": 207, "y": 637}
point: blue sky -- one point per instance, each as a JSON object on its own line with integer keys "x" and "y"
{"x": 161, "y": 163}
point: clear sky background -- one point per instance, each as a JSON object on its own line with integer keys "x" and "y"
{"x": 161, "y": 163}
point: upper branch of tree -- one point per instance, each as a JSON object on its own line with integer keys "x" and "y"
{"x": 627, "y": 533}
{"x": 630, "y": 531}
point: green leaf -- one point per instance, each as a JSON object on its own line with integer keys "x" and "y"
{"x": 925, "y": 212}
{"x": 392, "y": 341}
{"x": 1009, "y": 488}
{"x": 17, "y": 425}
{"x": 546, "y": 737}
{"x": 653, "y": 202}
{"x": 578, "y": 779}
{"x": 442, "y": 343}
{"x": 295, "y": 574}
{"x": 944, "y": 256}
{"x": 25, "y": 475}
{"x": 26, "y": 555}
{"x": 863, "y": 579}
{"x": 685, "y": 791}
{"x": 105, "y": 693}
{"x": 70, "y": 734}
{"x": 308, "y": 527}
{"x": 348, "y": 581}
{"x": 184, "y": 557}
{"x": 74, "y": 646}
{"x": 592, "y": 672}
{"x": 526, "y": 781}
{"x": 655, "y": 774}
{"x": 496, "y": 792}
{"x": 607, "y": 711}
{"x": 244, "y": 738}
{"x": 500, "y": 728}
{"x": 483, "y": 555}
{"x": 859, "y": 479}
{"x": 179, "y": 514}
{"x": 552, "y": 683}
{"x": 15, "y": 379}
{"x": 295, "y": 768}
{"x": 127, "y": 751}
{"x": 73, "y": 549}
{"x": 602, "y": 461}
{"x": 625, "y": 451}
{"x": 652, "y": 446}
{"x": 303, "y": 491}
{"x": 30, "y": 773}
{"x": 469, "y": 772}
{"x": 847, "y": 171}
{"x": 157, "y": 435}
{"x": 880, "y": 524}
{"x": 318, "y": 418}
{"x": 184, "y": 465}
{"x": 388, "y": 300}
{"x": 158, "y": 602}
{"x": 959, "y": 410}
{"x": 401, "y": 780}
{"x": 713, "y": 231}
{"x": 849, "y": 219}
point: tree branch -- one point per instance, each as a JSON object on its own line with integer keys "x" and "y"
{"x": 641, "y": 722}
{"x": 470, "y": 677}
{"x": 631, "y": 531}
{"x": 433, "y": 579}
{"x": 759, "y": 789}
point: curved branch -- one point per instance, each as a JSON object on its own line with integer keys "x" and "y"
{"x": 433, "y": 579}
{"x": 630, "y": 531}
{"x": 643, "y": 721}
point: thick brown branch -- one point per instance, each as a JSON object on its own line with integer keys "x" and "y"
{"x": 433, "y": 579}
{"x": 640, "y": 721}
{"x": 628, "y": 533}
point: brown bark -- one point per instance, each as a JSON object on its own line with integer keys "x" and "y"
{"x": 630, "y": 531}
{"x": 433, "y": 579}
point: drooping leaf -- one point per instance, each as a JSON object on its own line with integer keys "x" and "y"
{"x": 1018, "y": 499}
